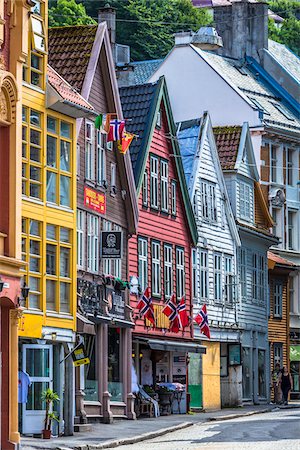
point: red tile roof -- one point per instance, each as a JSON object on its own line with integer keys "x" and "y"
{"x": 227, "y": 141}
{"x": 278, "y": 259}
{"x": 70, "y": 50}
{"x": 65, "y": 90}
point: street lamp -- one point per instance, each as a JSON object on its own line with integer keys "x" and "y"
{"x": 24, "y": 294}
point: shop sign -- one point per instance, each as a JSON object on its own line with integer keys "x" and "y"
{"x": 111, "y": 244}
{"x": 79, "y": 356}
{"x": 116, "y": 304}
{"x": 234, "y": 354}
{"x": 295, "y": 353}
{"x": 95, "y": 200}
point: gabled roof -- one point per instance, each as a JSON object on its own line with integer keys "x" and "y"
{"x": 286, "y": 58}
{"x": 66, "y": 93}
{"x": 70, "y": 49}
{"x": 192, "y": 136}
{"x": 144, "y": 69}
{"x": 228, "y": 142}
{"x": 141, "y": 105}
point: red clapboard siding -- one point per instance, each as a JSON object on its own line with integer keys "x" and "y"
{"x": 166, "y": 229}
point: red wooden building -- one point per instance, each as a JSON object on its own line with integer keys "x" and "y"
{"x": 160, "y": 253}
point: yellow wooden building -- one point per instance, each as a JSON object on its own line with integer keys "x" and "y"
{"x": 50, "y": 107}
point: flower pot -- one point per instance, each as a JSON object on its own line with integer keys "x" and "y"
{"x": 46, "y": 434}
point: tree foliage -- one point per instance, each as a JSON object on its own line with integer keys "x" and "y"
{"x": 148, "y": 25}
{"x": 68, "y": 12}
{"x": 289, "y": 33}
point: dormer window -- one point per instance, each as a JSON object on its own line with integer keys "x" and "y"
{"x": 208, "y": 201}
{"x": 158, "y": 119}
{"x": 246, "y": 201}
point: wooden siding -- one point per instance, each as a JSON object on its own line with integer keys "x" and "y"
{"x": 101, "y": 99}
{"x": 166, "y": 229}
{"x": 265, "y": 156}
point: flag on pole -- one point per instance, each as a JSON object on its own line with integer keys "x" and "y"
{"x": 182, "y": 314}
{"x": 145, "y": 306}
{"x": 99, "y": 121}
{"x": 126, "y": 141}
{"x": 106, "y": 122}
{"x": 116, "y": 129}
{"x": 171, "y": 311}
{"x": 202, "y": 320}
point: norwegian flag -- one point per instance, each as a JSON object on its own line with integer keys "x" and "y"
{"x": 170, "y": 310}
{"x": 202, "y": 321}
{"x": 145, "y": 307}
{"x": 182, "y": 314}
{"x": 116, "y": 129}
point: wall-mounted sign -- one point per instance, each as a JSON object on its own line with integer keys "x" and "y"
{"x": 111, "y": 244}
{"x": 95, "y": 200}
{"x": 115, "y": 304}
{"x": 234, "y": 354}
{"x": 79, "y": 356}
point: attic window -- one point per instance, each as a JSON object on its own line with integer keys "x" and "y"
{"x": 283, "y": 111}
{"x": 259, "y": 105}
{"x": 158, "y": 119}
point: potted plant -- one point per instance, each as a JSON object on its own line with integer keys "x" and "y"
{"x": 49, "y": 396}
{"x": 165, "y": 399}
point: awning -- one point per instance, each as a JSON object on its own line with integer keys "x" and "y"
{"x": 173, "y": 346}
{"x": 84, "y": 325}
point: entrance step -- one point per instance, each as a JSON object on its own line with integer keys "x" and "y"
{"x": 82, "y": 427}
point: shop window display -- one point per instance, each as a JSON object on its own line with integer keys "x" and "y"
{"x": 115, "y": 385}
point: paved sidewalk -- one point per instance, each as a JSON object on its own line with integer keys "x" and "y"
{"x": 128, "y": 431}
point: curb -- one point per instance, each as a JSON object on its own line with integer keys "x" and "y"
{"x": 236, "y": 416}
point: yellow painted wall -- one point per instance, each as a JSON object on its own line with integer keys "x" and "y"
{"x": 211, "y": 376}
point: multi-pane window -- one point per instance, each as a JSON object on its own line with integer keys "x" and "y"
{"x": 255, "y": 276}
{"x": 33, "y": 69}
{"x": 32, "y": 254}
{"x": 276, "y": 216}
{"x": 180, "y": 278}
{"x": 80, "y": 237}
{"x": 261, "y": 279}
{"x": 156, "y": 273}
{"x": 194, "y": 275}
{"x": 173, "y": 198}
{"x": 195, "y": 202}
{"x": 101, "y": 157}
{"x": 31, "y": 153}
{"x": 229, "y": 280}
{"x": 89, "y": 151}
{"x": 218, "y": 277}
{"x": 208, "y": 201}
{"x": 58, "y": 269}
{"x": 117, "y": 261}
{"x": 143, "y": 262}
{"x": 245, "y": 200}
{"x": 168, "y": 270}
{"x": 154, "y": 182}
{"x": 273, "y": 163}
{"x": 243, "y": 273}
{"x": 92, "y": 243}
{"x": 277, "y": 299}
{"x": 258, "y": 277}
{"x": 59, "y": 163}
{"x": 113, "y": 178}
{"x": 204, "y": 275}
{"x": 291, "y": 235}
{"x": 289, "y": 166}
{"x": 292, "y": 294}
{"x": 107, "y": 262}
{"x": 278, "y": 355}
{"x": 145, "y": 189}
{"x": 164, "y": 186}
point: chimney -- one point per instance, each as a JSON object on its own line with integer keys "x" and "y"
{"x": 243, "y": 26}
{"x": 108, "y": 14}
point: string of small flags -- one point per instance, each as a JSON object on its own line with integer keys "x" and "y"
{"x": 115, "y": 130}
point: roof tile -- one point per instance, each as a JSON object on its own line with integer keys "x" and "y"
{"x": 227, "y": 141}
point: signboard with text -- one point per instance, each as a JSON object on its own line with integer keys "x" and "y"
{"x": 111, "y": 244}
{"x": 116, "y": 304}
{"x": 95, "y": 200}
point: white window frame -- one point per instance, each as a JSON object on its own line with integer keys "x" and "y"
{"x": 290, "y": 166}
{"x": 277, "y": 299}
{"x": 246, "y": 201}
{"x": 106, "y": 262}
{"x": 278, "y": 353}
{"x": 164, "y": 186}
{"x": 113, "y": 179}
{"x": 218, "y": 282}
{"x": 180, "y": 276}
{"x": 243, "y": 273}
{"x": 173, "y": 198}
{"x": 255, "y": 277}
{"x": 229, "y": 279}
{"x": 145, "y": 189}
{"x": 143, "y": 262}
{"x": 292, "y": 216}
{"x": 273, "y": 163}
{"x": 154, "y": 164}
{"x": 158, "y": 118}
{"x": 101, "y": 157}
{"x": 80, "y": 238}
{"x": 204, "y": 275}
{"x": 117, "y": 261}
{"x": 156, "y": 268}
{"x": 194, "y": 275}
{"x": 168, "y": 270}
{"x": 92, "y": 243}
{"x": 208, "y": 202}
{"x": 89, "y": 151}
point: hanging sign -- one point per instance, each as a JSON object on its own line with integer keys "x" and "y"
{"x": 95, "y": 200}
{"x": 79, "y": 356}
{"x": 111, "y": 244}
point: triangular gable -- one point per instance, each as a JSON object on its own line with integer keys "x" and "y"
{"x": 206, "y": 133}
{"x": 160, "y": 95}
{"x": 245, "y": 162}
